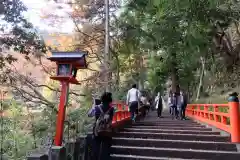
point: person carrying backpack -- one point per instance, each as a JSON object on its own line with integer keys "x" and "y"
{"x": 144, "y": 104}
{"x": 103, "y": 114}
{"x": 133, "y": 101}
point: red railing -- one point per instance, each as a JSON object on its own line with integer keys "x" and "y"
{"x": 223, "y": 116}
{"x": 121, "y": 114}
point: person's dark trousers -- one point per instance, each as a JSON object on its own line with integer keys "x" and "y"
{"x": 159, "y": 110}
{"x": 174, "y": 111}
{"x": 182, "y": 112}
{"x": 102, "y": 148}
{"x": 89, "y": 147}
{"x": 152, "y": 107}
{"x": 147, "y": 108}
{"x": 178, "y": 112}
{"x": 144, "y": 111}
{"x": 133, "y": 109}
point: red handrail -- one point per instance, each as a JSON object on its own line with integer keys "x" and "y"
{"x": 121, "y": 114}
{"x": 223, "y": 116}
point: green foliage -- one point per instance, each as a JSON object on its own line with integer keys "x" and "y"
{"x": 158, "y": 72}
{"x": 182, "y": 30}
{"x": 79, "y": 122}
{"x": 25, "y": 131}
{"x": 19, "y": 34}
{"x": 15, "y": 140}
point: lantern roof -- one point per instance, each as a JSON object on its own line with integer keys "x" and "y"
{"x": 67, "y": 56}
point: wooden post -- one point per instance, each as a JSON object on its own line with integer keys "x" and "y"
{"x": 233, "y": 103}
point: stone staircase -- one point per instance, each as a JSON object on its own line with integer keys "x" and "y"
{"x": 162, "y": 139}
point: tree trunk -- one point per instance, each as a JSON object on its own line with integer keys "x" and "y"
{"x": 117, "y": 73}
{"x": 141, "y": 73}
{"x": 138, "y": 65}
{"x": 200, "y": 86}
{"x": 188, "y": 91}
{"x": 174, "y": 74}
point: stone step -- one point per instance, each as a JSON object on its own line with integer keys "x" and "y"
{"x": 135, "y": 157}
{"x": 173, "y": 136}
{"x": 174, "y": 127}
{"x": 171, "y": 122}
{"x": 175, "y": 153}
{"x": 163, "y": 118}
{"x": 164, "y": 143}
{"x": 168, "y": 125}
{"x": 169, "y": 131}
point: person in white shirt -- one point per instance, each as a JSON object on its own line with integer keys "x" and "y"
{"x": 158, "y": 105}
{"x": 170, "y": 105}
{"x": 133, "y": 96}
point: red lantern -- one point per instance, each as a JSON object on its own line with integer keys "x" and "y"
{"x": 67, "y": 65}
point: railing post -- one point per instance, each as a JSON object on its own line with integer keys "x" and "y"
{"x": 199, "y": 110}
{"x": 79, "y": 148}
{"x": 205, "y": 111}
{"x": 215, "y": 111}
{"x": 122, "y": 111}
{"x": 193, "y": 110}
{"x": 127, "y": 109}
{"x": 118, "y": 112}
{"x": 233, "y": 103}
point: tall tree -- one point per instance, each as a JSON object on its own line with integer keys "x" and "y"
{"x": 185, "y": 31}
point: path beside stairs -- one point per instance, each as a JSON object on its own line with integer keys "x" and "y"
{"x": 162, "y": 139}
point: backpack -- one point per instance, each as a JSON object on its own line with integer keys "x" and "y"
{"x": 143, "y": 100}
{"x": 103, "y": 123}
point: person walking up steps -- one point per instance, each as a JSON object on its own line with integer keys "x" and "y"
{"x": 102, "y": 128}
{"x": 174, "y": 103}
{"x": 144, "y": 103}
{"x": 133, "y": 96}
{"x": 170, "y": 103}
{"x": 158, "y": 105}
{"x": 183, "y": 105}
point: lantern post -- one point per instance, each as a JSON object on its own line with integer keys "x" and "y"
{"x": 61, "y": 114}
{"x": 67, "y": 65}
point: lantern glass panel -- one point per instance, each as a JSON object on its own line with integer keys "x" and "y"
{"x": 63, "y": 69}
{"x": 74, "y": 72}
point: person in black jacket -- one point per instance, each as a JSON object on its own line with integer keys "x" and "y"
{"x": 183, "y": 105}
